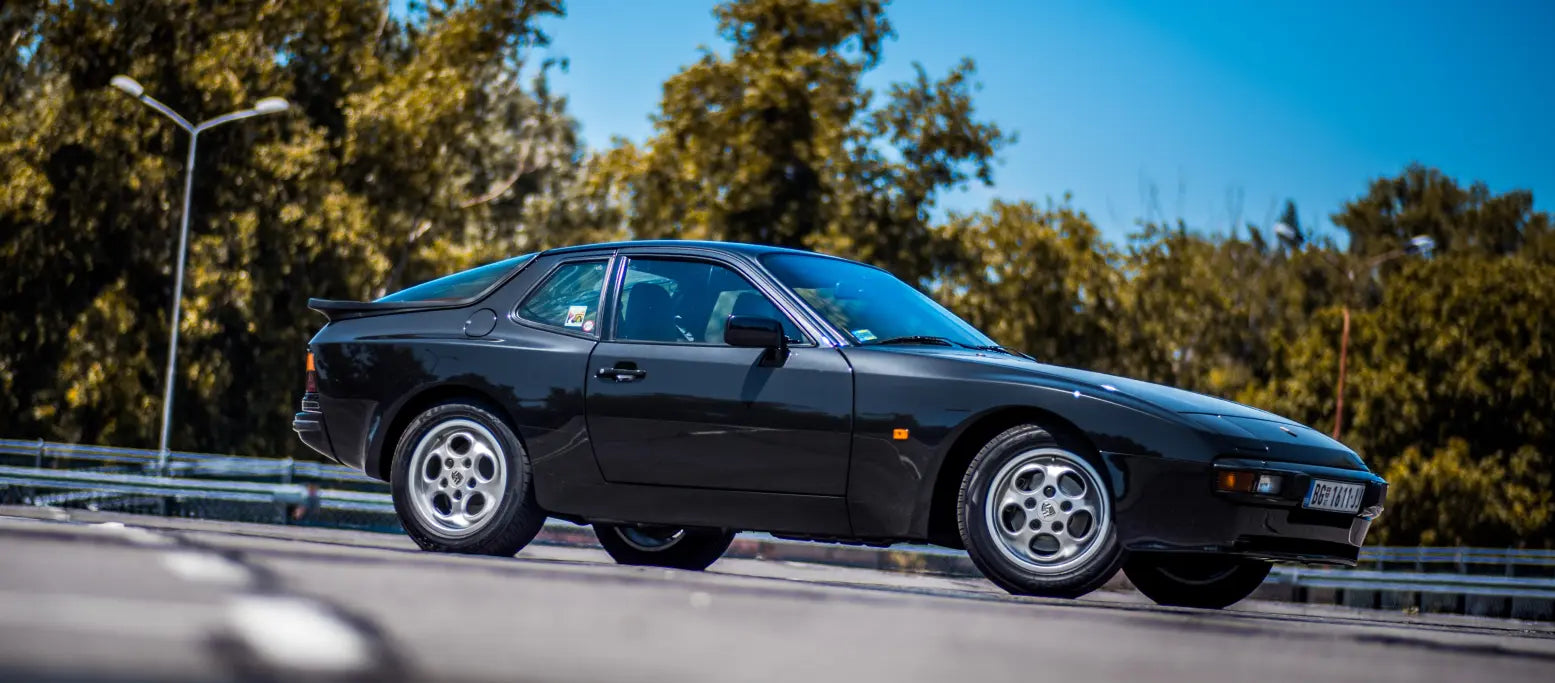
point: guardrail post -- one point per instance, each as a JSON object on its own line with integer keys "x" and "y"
{"x": 37, "y": 460}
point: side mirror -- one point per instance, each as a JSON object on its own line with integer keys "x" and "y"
{"x": 754, "y": 332}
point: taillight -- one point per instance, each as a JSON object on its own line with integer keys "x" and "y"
{"x": 312, "y": 385}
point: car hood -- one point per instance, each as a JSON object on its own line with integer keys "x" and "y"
{"x": 1239, "y": 429}
{"x": 1170, "y": 398}
{"x": 1162, "y": 396}
{"x": 1244, "y": 429}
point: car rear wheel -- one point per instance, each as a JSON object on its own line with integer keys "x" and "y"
{"x": 1036, "y": 517}
{"x": 461, "y": 483}
{"x": 663, "y": 546}
{"x": 1195, "y": 580}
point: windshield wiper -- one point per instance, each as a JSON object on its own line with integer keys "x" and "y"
{"x": 941, "y": 341}
{"x": 1002, "y": 349}
{"x": 911, "y": 339}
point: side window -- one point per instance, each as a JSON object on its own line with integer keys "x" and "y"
{"x": 568, "y": 299}
{"x": 688, "y": 302}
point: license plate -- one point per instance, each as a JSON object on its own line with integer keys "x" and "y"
{"x": 1334, "y": 496}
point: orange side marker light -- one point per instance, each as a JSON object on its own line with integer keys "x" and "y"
{"x": 1234, "y": 480}
{"x": 899, "y": 434}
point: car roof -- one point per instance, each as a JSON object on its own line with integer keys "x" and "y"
{"x": 751, "y": 250}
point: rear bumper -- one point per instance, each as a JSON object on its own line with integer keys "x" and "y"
{"x": 1173, "y": 506}
{"x": 310, "y": 428}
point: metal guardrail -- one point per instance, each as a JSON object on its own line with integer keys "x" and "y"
{"x": 1510, "y": 561}
{"x": 1529, "y": 598}
{"x": 1415, "y": 582}
{"x": 1494, "y": 582}
{"x": 184, "y": 463}
{"x": 197, "y": 485}
{"x": 238, "y": 491}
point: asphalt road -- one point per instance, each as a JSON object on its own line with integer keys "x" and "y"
{"x": 97, "y": 596}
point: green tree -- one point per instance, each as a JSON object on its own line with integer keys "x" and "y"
{"x": 1457, "y": 496}
{"x": 1212, "y": 313}
{"x": 777, "y": 142}
{"x": 1424, "y": 201}
{"x": 1448, "y": 363}
{"x": 1037, "y": 279}
{"x": 412, "y": 150}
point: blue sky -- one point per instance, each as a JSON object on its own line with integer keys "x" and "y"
{"x": 1206, "y": 100}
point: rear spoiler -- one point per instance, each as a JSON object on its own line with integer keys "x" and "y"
{"x": 335, "y": 310}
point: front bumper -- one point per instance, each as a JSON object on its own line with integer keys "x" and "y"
{"x": 309, "y": 425}
{"x": 1172, "y": 505}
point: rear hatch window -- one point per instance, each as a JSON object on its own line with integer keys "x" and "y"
{"x": 461, "y": 286}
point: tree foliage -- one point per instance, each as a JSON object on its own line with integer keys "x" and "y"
{"x": 412, "y": 150}
{"x": 777, "y": 142}
{"x": 1039, "y": 279}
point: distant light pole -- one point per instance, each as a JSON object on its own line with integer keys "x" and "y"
{"x": 268, "y": 105}
{"x": 1419, "y": 244}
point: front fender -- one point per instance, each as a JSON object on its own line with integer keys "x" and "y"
{"x": 941, "y": 403}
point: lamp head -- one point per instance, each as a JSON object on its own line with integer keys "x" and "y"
{"x": 1289, "y": 235}
{"x": 128, "y": 85}
{"x": 270, "y": 105}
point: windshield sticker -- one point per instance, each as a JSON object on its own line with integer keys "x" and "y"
{"x": 588, "y": 326}
{"x": 575, "y": 316}
{"x": 863, "y": 335}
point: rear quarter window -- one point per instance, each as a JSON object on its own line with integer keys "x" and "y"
{"x": 569, "y": 298}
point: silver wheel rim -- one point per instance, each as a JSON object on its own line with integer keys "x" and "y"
{"x": 458, "y": 477}
{"x": 1047, "y": 511}
{"x": 649, "y": 539}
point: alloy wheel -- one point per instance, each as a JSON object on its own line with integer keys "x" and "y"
{"x": 1047, "y": 510}
{"x": 458, "y": 477}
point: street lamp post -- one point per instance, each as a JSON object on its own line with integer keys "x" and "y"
{"x": 1419, "y": 244}
{"x": 268, "y": 105}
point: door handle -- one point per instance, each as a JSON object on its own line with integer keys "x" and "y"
{"x": 621, "y": 374}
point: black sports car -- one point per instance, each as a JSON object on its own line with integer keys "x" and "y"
{"x": 671, "y": 393}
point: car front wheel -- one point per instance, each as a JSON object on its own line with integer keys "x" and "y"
{"x": 461, "y": 483}
{"x": 662, "y": 546}
{"x": 1036, "y": 517}
{"x": 1195, "y": 580}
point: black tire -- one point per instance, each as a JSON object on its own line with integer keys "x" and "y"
{"x": 1099, "y": 560}
{"x": 655, "y": 546}
{"x": 1195, "y": 580}
{"x": 505, "y": 528}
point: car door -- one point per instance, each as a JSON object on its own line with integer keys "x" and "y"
{"x": 669, "y": 403}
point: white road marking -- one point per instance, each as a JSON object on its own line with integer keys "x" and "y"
{"x": 297, "y": 634}
{"x": 134, "y": 534}
{"x": 206, "y": 568}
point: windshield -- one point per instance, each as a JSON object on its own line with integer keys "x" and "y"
{"x": 460, "y": 286}
{"x": 869, "y": 304}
